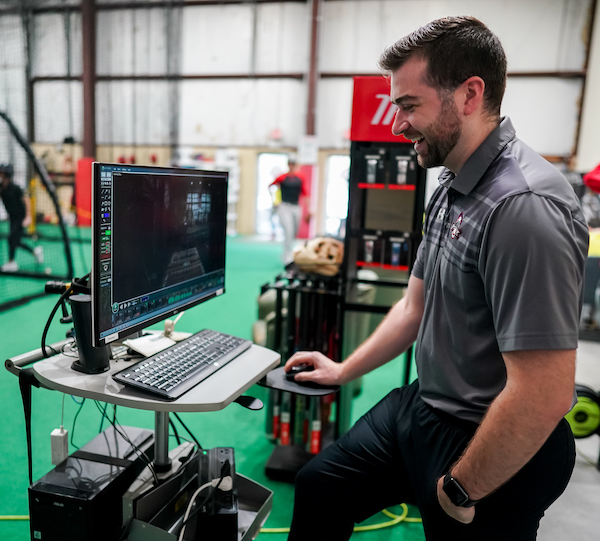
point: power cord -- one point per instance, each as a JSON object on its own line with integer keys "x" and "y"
{"x": 70, "y": 350}
{"x": 119, "y": 429}
{"x": 102, "y": 417}
{"x": 61, "y": 300}
{"x": 396, "y": 519}
{"x": 176, "y": 415}
{"x": 175, "y": 433}
{"x": 405, "y": 519}
{"x": 75, "y": 420}
{"x": 224, "y": 483}
{"x": 77, "y": 284}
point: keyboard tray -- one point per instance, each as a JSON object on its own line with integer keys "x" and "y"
{"x": 175, "y": 370}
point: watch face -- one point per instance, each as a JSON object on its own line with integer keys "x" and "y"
{"x": 455, "y": 492}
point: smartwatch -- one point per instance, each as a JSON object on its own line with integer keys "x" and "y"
{"x": 457, "y": 494}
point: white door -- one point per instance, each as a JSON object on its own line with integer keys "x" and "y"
{"x": 336, "y": 194}
{"x": 270, "y": 166}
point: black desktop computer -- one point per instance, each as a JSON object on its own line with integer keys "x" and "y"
{"x": 81, "y": 498}
{"x": 158, "y": 245}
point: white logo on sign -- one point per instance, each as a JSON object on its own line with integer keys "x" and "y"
{"x": 385, "y": 112}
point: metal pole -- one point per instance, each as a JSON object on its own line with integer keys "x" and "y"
{"x": 162, "y": 462}
{"x": 15, "y": 364}
{"x": 88, "y": 26}
{"x": 312, "y": 70}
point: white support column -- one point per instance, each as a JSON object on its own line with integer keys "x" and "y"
{"x": 588, "y": 155}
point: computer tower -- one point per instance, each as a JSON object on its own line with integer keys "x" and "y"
{"x": 81, "y": 498}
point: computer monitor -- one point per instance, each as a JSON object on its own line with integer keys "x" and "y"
{"x": 158, "y": 244}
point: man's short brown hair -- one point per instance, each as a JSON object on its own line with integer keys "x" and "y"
{"x": 455, "y": 49}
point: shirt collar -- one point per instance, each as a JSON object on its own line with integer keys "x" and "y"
{"x": 478, "y": 163}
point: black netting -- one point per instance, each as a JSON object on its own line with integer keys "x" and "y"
{"x": 41, "y": 93}
{"x": 44, "y": 252}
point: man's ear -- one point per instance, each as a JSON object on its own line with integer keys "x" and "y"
{"x": 471, "y": 94}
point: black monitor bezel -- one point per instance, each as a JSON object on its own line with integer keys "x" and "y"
{"x": 95, "y": 272}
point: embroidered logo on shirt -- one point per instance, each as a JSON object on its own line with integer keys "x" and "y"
{"x": 455, "y": 230}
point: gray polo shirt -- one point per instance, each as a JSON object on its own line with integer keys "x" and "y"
{"x": 502, "y": 260}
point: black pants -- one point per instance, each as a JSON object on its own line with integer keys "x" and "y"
{"x": 396, "y": 453}
{"x": 14, "y": 238}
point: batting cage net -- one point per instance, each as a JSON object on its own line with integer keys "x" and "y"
{"x": 137, "y": 94}
{"x": 40, "y": 241}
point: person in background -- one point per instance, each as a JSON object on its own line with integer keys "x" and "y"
{"x": 479, "y": 441}
{"x": 17, "y": 208}
{"x": 293, "y": 187}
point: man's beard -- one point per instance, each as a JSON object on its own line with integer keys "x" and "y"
{"x": 443, "y": 134}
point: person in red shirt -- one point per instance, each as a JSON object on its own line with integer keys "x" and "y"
{"x": 293, "y": 187}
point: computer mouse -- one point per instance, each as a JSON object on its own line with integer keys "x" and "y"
{"x": 291, "y": 374}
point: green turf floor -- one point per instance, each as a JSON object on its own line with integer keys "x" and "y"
{"x": 250, "y": 264}
{"x": 29, "y": 282}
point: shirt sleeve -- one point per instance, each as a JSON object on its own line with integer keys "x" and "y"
{"x": 418, "y": 267}
{"x": 278, "y": 180}
{"x": 532, "y": 260}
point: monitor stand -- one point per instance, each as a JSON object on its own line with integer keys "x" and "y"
{"x": 162, "y": 462}
{"x": 92, "y": 360}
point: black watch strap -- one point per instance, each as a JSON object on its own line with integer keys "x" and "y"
{"x": 457, "y": 494}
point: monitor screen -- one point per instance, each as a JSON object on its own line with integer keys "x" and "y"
{"x": 158, "y": 244}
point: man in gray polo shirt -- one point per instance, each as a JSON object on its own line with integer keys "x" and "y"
{"x": 478, "y": 442}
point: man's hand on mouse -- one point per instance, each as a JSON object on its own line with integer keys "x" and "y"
{"x": 294, "y": 370}
{"x": 326, "y": 371}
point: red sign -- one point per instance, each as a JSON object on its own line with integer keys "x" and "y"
{"x": 373, "y": 112}
{"x": 83, "y": 191}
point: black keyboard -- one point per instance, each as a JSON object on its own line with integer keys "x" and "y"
{"x": 175, "y": 370}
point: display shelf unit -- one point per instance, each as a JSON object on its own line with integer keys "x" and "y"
{"x": 307, "y": 315}
{"x": 384, "y": 225}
